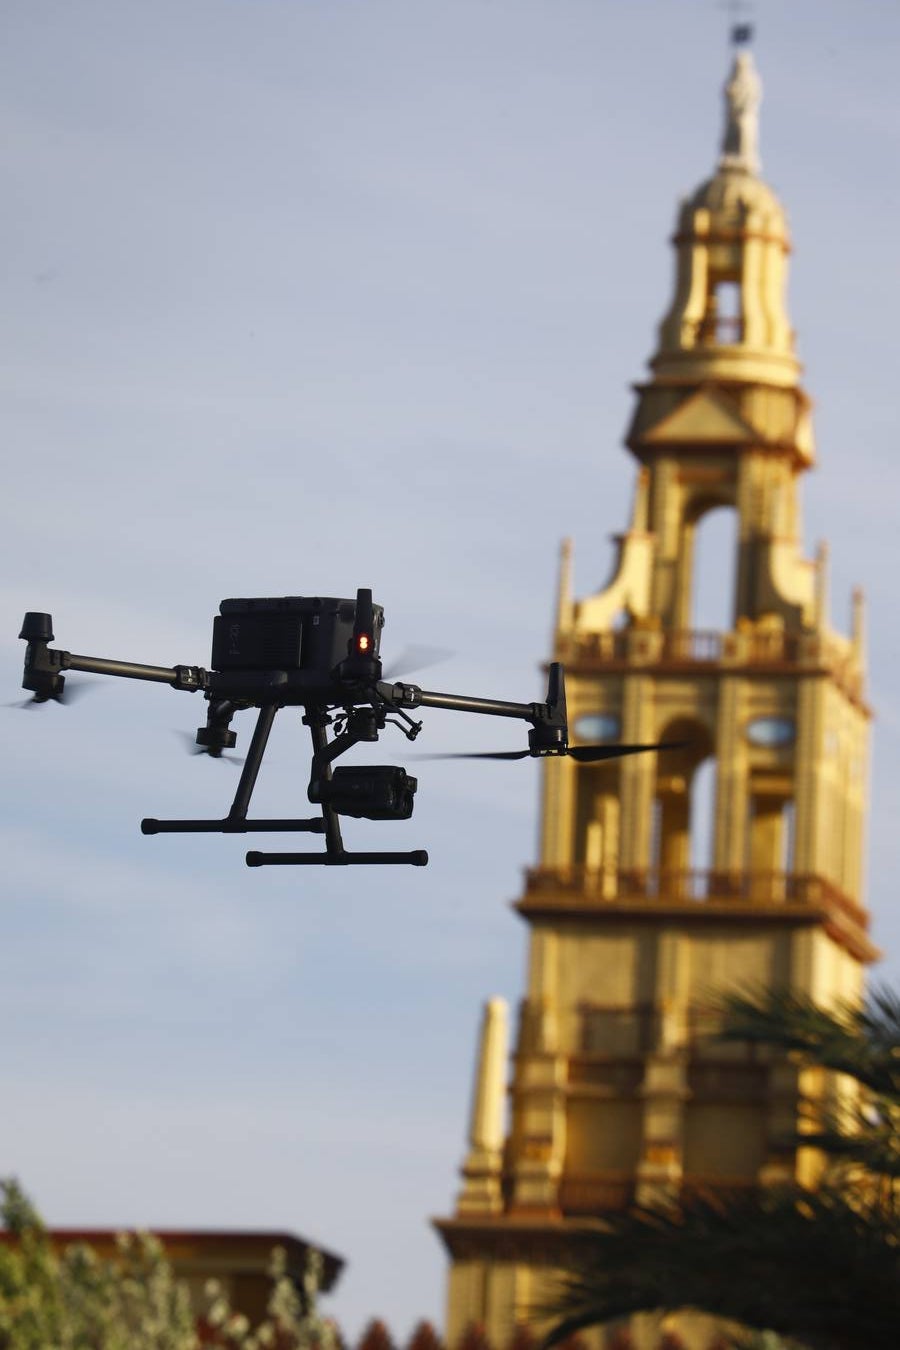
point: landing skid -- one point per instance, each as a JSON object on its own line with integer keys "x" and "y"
{"x": 416, "y": 858}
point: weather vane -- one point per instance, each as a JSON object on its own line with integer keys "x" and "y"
{"x": 741, "y": 33}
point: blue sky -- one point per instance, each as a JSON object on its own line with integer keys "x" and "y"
{"x": 303, "y": 295}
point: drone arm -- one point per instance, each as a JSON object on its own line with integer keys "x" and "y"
{"x": 180, "y": 677}
{"x": 44, "y": 664}
{"x": 411, "y": 696}
{"x": 488, "y": 706}
{"x": 549, "y": 730}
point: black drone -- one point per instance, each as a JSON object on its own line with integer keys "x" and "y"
{"x": 322, "y": 655}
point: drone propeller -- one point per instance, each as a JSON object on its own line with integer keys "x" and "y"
{"x": 71, "y": 691}
{"x": 478, "y": 754}
{"x": 212, "y": 752}
{"x": 585, "y": 754}
{"x": 590, "y": 754}
{"x": 414, "y": 658}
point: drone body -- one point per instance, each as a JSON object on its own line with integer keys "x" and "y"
{"x": 322, "y": 655}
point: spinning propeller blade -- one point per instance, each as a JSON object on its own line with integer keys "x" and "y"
{"x": 192, "y": 748}
{"x": 71, "y": 692}
{"x": 478, "y": 754}
{"x": 414, "y": 658}
{"x": 585, "y": 754}
{"x": 590, "y": 754}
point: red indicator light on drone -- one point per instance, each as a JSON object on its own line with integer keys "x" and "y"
{"x": 363, "y": 642}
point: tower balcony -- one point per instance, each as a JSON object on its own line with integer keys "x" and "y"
{"x": 693, "y": 886}
{"x": 691, "y": 649}
{"x": 581, "y": 893}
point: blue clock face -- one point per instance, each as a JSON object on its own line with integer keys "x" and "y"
{"x": 771, "y": 732}
{"x": 595, "y": 727}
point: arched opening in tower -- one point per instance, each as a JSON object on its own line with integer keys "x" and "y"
{"x": 713, "y": 555}
{"x": 703, "y": 816}
{"x": 722, "y": 324}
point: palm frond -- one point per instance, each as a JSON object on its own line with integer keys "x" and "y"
{"x": 865, "y": 1135}
{"x": 807, "y": 1265}
{"x": 879, "y": 1020}
{"x": 863, "y": 1042}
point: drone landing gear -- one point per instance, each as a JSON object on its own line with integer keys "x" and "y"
{"x": 229, "y": 826}
{"x": 236, "y": 821}
{"x": 417, "y": 857}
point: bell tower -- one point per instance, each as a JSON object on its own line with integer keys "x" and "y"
{"x": 735, "y": 860}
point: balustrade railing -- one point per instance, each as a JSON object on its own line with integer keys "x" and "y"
{"x": 694, "y": 646}
{"x": 648, "y": 648}
{"x": 594, "y": 1194}
{"x": 587, "y": 884}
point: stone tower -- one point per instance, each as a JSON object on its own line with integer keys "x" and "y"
{"x": 615, "y": 1092}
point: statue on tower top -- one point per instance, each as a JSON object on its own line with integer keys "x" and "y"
{"x": 743, "y": 94}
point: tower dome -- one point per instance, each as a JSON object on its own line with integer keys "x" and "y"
{"x": 731, "y": 195}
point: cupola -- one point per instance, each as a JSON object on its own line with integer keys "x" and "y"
{"x": 728, "y": 318}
